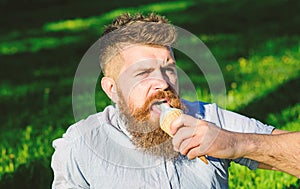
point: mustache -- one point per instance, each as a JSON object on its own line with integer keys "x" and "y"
{"x": 143, "y": 113}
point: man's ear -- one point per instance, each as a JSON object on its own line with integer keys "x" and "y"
{"x": 109, "y": 87}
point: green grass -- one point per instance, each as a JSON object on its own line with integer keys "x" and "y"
{"x": 242, "y": 177}
{"x": 258, "y": 52}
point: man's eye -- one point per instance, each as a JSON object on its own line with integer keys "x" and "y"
{"x": 143, "y": 73}
{"x": 170, "y": 70}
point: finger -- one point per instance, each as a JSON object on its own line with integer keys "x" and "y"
{"x": 188, "y": 145}
{"x": 186, "y": 132}
{"x": 181, "y": 121}
{"x": 182, "y": 134}
{"x": 193, "y": 153}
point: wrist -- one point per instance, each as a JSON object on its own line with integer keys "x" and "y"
{"x": 245, "y": 145}
{"x": 249, "y": 145}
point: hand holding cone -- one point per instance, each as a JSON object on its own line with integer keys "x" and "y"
{"x": 167, "y": 116}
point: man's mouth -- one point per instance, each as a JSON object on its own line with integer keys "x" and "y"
{"x": 154, "y": 107}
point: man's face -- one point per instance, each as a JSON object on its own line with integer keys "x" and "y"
{"x": 147, "y": 79}
{"x": 146, "y": 70}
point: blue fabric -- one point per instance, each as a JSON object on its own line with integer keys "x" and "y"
{"x": 196, "y": 108}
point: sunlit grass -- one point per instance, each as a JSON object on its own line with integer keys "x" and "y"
{"x": 12, "y": 44}
{"x": 34, "y": 44}
{"x": 8, "y": 90}
{"x": 242, "y": 177}
{"x": 30, "y": 144}
{"x": 258, "y": 76}
{"x": 288, "y": 119}
{"x": 96, "y": 21}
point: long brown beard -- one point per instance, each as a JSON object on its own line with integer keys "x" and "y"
{"x": 147, "y": 135}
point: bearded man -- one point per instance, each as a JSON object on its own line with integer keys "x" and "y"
{"x": 123, "y": 146}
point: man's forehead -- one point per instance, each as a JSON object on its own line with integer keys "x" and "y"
{"x": 150, "y": 63}
{"x": 139, "y": 53}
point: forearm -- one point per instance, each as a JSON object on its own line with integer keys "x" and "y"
{"x": 195, "y": 138}
{"x": 281, "y": 151}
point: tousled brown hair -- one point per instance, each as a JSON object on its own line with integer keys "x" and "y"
{"x": 137, "y": 29}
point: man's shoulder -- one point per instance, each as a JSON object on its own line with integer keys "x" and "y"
{"x": 89, "y": 125}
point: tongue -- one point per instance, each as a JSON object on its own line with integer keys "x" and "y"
{"x": 155, "y": 109}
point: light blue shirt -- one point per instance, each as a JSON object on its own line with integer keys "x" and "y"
{"x": 97, "y": 153}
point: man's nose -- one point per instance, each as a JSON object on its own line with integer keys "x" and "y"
{"x": 159, "y": 81}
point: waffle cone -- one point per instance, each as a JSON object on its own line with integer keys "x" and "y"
{"x": 168, "y": 119}
{"x": 165, "y": 125}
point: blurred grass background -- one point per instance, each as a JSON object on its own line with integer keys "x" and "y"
{"x": 256, "y": 43}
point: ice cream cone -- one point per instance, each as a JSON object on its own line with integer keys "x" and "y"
{"x": 167, "y": 120}
{"x": 167, "y": 116}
